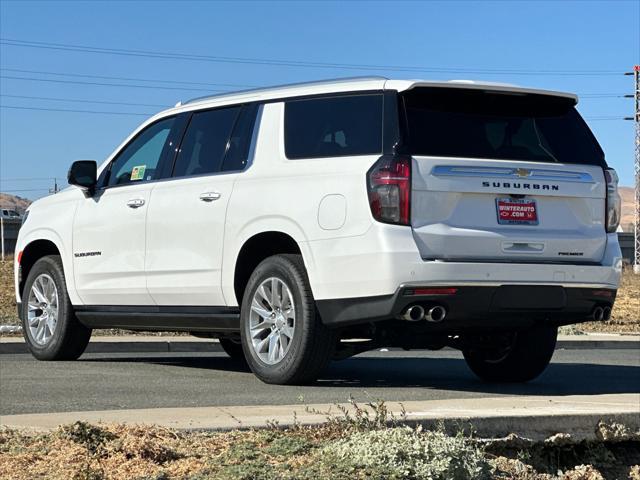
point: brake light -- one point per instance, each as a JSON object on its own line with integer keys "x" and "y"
{"x": 389, "y": 189}
{"x": 431, "y": 291}
{"x": 613, "y": 200}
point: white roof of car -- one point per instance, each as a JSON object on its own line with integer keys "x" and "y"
{"x": 339, "y": 85}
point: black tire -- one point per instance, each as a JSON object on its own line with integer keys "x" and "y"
{"x": 233, "y": 348}
{"x": 312, "y": 346}
{"x": 523, "y": 360}
{"x": 70, "y": 337}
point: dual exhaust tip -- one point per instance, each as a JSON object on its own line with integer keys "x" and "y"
{"x": 415, "y": 313}
{"x": 601, "y": 313}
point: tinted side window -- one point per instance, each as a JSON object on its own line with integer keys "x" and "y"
{"x": 139, "y": 160}
{"x": 240, "y": 141}
{"x": 205, "y": 142}
{"x": 333, "y": 126}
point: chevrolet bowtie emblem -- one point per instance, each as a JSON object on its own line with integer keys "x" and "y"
{"x": 523, "y": 172}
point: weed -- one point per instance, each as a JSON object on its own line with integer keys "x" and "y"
{"x": 414, "y": 454}
{"x": 288, "y": 446}
{"x": 83, "y": 433}
{"x": 372, "y": 415}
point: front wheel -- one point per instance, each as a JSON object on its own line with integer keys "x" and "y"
{"x": 523, "y": 357}
{"x": 49, "y": 325}
{"x": 284, "y": 340}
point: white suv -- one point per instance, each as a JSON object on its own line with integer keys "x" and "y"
{"x": 285, "y": 221}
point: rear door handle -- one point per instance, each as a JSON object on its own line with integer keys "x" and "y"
{"x": 135, "y": 203}
{"x": 209, "y": 196}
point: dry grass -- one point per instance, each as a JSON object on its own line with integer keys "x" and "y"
{"x": 625, "y": 317}
{"x": 7, "y": 295}
{"x": 116, "y": 451}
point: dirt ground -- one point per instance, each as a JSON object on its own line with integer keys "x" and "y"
{"x": 343, "y": 449}
{"x": 625, "y": 317}
{"x": 7, "y": 296}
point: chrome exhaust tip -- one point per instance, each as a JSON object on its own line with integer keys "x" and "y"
{"x": 436, "y": 314}
{"x": 606, "y": 313}
{"x": 414, "y": 313}
{"x": 598, "y": 314}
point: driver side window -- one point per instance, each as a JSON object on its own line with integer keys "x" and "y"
{"x": 139, "y": 160}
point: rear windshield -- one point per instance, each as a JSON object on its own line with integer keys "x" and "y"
{"x": 500, "y": 125}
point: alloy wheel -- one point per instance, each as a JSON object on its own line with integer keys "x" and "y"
{"x": 42, "y": 314}
{"x": 272, "y": 320}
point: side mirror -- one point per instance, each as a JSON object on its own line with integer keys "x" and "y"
{"x": 83, "y": 173}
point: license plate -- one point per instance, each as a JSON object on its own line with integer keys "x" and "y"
{"x": 516, "y": 211}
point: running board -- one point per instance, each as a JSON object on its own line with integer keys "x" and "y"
{"x": 160, "y": 318}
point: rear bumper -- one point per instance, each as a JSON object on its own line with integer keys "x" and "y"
{"x": 476, "y": 307}
{"x": 386, "y": 256}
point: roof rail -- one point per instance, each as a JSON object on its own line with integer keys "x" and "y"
{"x": 284, "y": 86}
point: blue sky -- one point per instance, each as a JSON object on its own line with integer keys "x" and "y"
{"x": 593, "y": 42}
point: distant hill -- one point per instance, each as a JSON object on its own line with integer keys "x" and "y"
{"x": 14, "y": 202}
{"x": 627, "y": 208}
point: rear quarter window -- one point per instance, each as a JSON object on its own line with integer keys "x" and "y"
{"x": 333, "y": 126}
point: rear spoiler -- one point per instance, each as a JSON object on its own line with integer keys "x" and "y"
{"x": 404, "y": 85}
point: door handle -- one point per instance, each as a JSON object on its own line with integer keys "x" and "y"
{"x": 209, "y": 196}
{"x": 135, "y": 203}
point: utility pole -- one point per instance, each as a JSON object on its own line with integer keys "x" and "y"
{"x": 55, "y": 188}
{"x": 636, "y": 172}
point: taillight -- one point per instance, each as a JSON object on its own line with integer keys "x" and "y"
{"x": 613, "y": 201}
{"x": 389, "y": 188}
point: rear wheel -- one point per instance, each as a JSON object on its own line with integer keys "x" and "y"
{"x": 522, "y": 357}
{"x": 49, "y": 325}
{"x": 282, "y": 334}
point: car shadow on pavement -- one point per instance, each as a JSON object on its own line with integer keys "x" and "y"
{"x": 222, "y": 363}
{"x": 453, "y": 374}
{"x": 431, "y": 373}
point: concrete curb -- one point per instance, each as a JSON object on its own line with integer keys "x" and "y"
{"x": 528, "y": 416}
{"x": 16, "y": 345}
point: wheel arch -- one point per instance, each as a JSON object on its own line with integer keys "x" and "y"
{"x": 30, "y": 254}
{"x": 255, "y": 249}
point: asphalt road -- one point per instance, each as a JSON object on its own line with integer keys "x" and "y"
{"x": 128, "y": 381}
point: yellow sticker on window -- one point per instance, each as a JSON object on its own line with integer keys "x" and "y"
{"x": 138, "y": 172}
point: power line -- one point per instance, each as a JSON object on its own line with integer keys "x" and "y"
{"x": 104, "y": 84}
{"x": 604, "y": 119}
{"x": 239, "y": 85}
{"x": 26, "y": 190}
{"x": 287, "y": 63}
{"x": 15, "y": 107}
{"x": 77, "y": 100}
{"x": 602, "y": 95}
{"x": 133, "y": 79}
{"x": 604, "y": 116}
{"x": 27, "y": 179}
